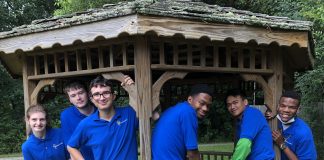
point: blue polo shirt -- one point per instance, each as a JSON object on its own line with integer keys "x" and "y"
{"x": 109, "y": 140}
{"x": 299, "y": 138}
{"x": 254, "y": 127}
{"x": 50, "y": 148}
{"x": 175, "y": 133}
{"x": 70, "y": 118}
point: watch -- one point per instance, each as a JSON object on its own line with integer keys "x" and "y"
{"x": 283, "y": 146}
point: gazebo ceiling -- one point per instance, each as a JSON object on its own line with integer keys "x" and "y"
{"x": 191, "y": 20}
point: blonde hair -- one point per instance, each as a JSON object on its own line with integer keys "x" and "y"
{"x": 38, "y": 108}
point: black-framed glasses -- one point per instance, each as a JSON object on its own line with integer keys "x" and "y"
{"x": 105, "y": 94}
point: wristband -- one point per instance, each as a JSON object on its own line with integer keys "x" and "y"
{"x": 283, "y": 146}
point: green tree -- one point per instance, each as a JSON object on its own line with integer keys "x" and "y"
{"x": 12, "y": 113}
{"x": 18, "y": 12}
{"x": 15, "y": 13}
{"x": 71, "y": 6}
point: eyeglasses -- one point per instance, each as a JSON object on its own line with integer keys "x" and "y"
{"x": 105, "y": 94}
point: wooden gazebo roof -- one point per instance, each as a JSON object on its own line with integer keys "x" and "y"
{"x": 191, "y": 20}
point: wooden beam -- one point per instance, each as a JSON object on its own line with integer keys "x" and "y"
{"x": 124, "y": 54}
{"x": 36, "y": 65}
{"x": 216, "y": 56}
{"x": 175, "y": 53}
{"x": 89, "y": 62}
{"x": 161, "y": 49}
{"x": 210, "y": 69}
{"x": 45, "y": 64}
{"x": 66, "y": 62}
{"x": 78, "y": 60}
{"x": 82, "y": 72}
{"x": 40, "y": 85}
{"x": 100, "y": 57}
{"x": 263, "y": 59}
{"x": 143, "y": 81}
{"x": 130, "y": 89}
{"x": 56, "y": 64}
{"x": 268, "y": 95}
{"x": 160, "y": 82}
{"x": 111, "y": 56}
{"x": 189, "y": 62}
{"x": 202, "y": 55}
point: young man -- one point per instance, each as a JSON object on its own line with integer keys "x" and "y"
{"x": 80, "y": 109}
{"x": 111, "y": 131}
{"x": 175, "y": 134}
{"x": 296, "y": 139}
{"x": 253, "y": 134}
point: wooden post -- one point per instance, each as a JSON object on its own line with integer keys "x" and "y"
{"x": 276, "y": 83}
{"x": 143, "y": 81}
{"x": 28, "y": 85}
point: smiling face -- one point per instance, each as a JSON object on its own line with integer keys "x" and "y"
{"x": 236, "y": 105}
{"x": 102, "y": 97}
{"x": 37, "y": 121}
{"x": 201, "y": 103}
{"x": 78, "y": 97}
{"x": 287, "y": 108}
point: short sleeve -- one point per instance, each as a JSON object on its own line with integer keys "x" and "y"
{"x": 189, "y": 126}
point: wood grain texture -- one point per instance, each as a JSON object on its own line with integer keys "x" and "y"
{"x": 67, "y": 36}
{"x": 276, "y": 83}
{"x": 219, "y": 32}
{"x": 138, "y": 24}
{"x": 82, "y": 72}
{"x": 160, "y": 82}
{"x": 143, "y": 81}
{"x": 40, "y": 85}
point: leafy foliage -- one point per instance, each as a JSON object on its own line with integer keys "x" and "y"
{"x": 217, "y": 127}
{"x": 12, "y": 112}
{"x": 70, "y": 6}
{"x": 18, "y": 12}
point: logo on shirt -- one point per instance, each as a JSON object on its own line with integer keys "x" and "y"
{"x": 57, "y": 145}
{"x": 286, "y": 140}
{"x": 121, "y": 122}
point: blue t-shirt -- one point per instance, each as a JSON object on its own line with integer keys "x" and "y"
{"x": 109, "y": 140}
{"x": 175, "y": 133}
{"x": 299, "y": 139}
{"x": 50, "y": 148}
{"x": 70, "y": 118}
{"x": 254, "y": 127}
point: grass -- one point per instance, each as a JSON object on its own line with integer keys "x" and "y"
{"x": 220, "y": 147}
{"x": 10, "y": 155}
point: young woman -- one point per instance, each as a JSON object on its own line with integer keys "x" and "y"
{"x": 44, "y": 142}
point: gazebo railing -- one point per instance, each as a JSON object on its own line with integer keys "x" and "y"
{"x": 213, "y": 155}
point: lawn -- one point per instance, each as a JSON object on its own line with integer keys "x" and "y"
{"x": 219, "y": 147}
{"x": 10, "y": 155}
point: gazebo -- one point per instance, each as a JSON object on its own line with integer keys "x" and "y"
{"x": 156, "y": 42}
